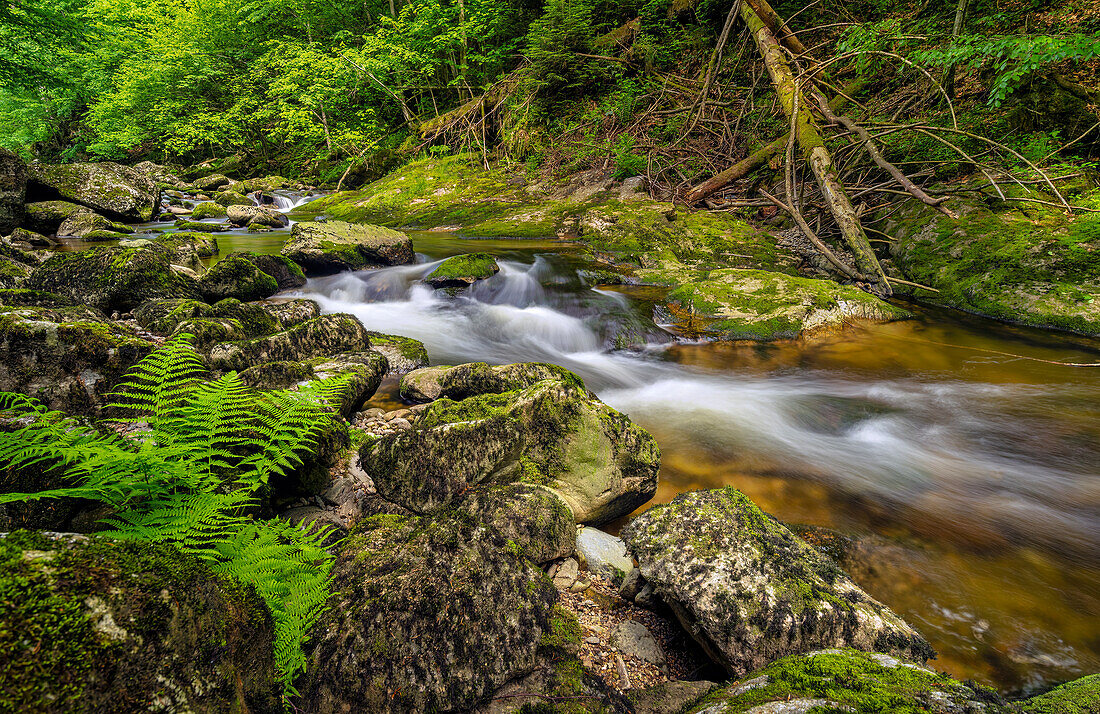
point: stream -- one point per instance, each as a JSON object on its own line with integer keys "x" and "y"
{"x": 967, "y": 480}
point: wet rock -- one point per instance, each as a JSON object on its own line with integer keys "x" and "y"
{"x": 256, "y": 215}
{"x": 423, "y": 385}
{"x": 104, "y": 625}
{"x": 463, "y": 270}
{"x": 552, "y": 433}
{"x": 750, "y": 591}
{"x": 15, "y": 265}
{"x": 403, "y": 353}
{"x": 604, "y": 554}
{"x": 669, "y": 696}
{"x": 67, "y": 357}
{"x": 207, "y": 209}
{"x": 333, "y": 246}
{"x": 211, "y": 182}
{"x": 236, "y": 277}
{"x": 30, "y": 239}
{"x": 474, "y": 378}
{"x": 118, "y": 192}
{"x": 286, "y": 272}
{"x": 323, "y": 336}
{"x": 232, "y": 198}
{"x": 200, "y": 227}
{"x": 536, "y": 519}
{"x": 46, "y": 216}
{"x": 633, "y": 638}
{"x": 202, "y": 245}
{"x": 84, "y": 224}
{"x": 1081, "y": 696}
{"x": 426, "y": 615}
{"x": 13, "y": 191}
{"x": 848, "y": 680}
{"x": 734, "y": 304}
{"x": 115, "y": 279}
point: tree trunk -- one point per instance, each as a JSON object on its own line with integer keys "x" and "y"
{"x": 814, "y": 152}
{"x": 956, "y": 30}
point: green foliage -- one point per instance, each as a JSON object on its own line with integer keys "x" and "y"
{"x": 556, "y": 39}
{"x": 628, "y": 163}
{"x": 183, "y": 465}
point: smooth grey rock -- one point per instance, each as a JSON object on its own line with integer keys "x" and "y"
{"x": 604, "y": 554}
{"x": 634, "y": 639}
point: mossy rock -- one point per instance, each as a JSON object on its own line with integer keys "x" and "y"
{"x": 321, "y": 337}
{"x": 533, "y": 517}
{"x": 463, "y": 270}
{"x": 673, "y": 696}
{"x": 13, "y": 273}
{"x": 87, "y": 225}
{"x": 30, "y": 239}
{"x": 1018, "y": 262}
{"x": 552, "y": 433}
{"x": 734, "y": 304}
{"x": 189, "y": 245}
{"x": 286, "y": 272}
{"x": 362, "y": 372}
{"x": 211, "y": 182}
{"x": 256, "y": 215}
{"x": 423, "y": 384}
{"x": 333, "y": 246}
{"x": 426, "y": 615}
{"x": 277, "y": 375}
{"x": 207, "y": 209}
{"x": 200, "y": 227}
{"x": 114, "y": 279}
{"x": 847, "y": 680}
{"x": 13, "y": 190}
{"x": 236, "y": 277}
{"x": 34, "y": 298}
{"x": 67, "y": 357}
{"x": 474, "y": 378}
{"x": 46, "y": 216}
{"x": 1081, "y": 696}
{"x": 293, "y": 312}
{"x": 404, "y": 354}
{"x": 163, "y": 316}
{"x": 104, "y": 236}
{"x": 91, "y": 625}
{"x": 232, "y": 198}
{"x": 750, "y": 591}
{"x": 118, "y": 192}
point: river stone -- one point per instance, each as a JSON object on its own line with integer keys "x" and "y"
{"x": 403, "y": 353}
{"x": 847, "y": 680}
{"x": 321, "y": 337}
{"x": 202, "y": 245}
{"x": 67, "y": 357}
{"x": 232, "y": 198}
{"x": 604, "y": 554}
{"x": 207, "y": 209}
{"x": 362, "y": 373}
{"x": 750, "y": 591}
{"x": 236, "y": 277}
{"x": 163, "y": 316}
{"x": 286, "y": 272}
{"x": 86, "y": 223}
{"x": 463, "y": 270}
{"x": 553, "y": 433}
{"x": 211, "y": 182}
{"x": 425, "y": 615}
{"x": 474, "y": 378}
{"x": 98, "y": 625}
{"x": 735, "y": 304}
{"x": 13, "y": 191}
{"x": 633, "y": 638}
{"x": 293, "y": 312}
{"x": 334, "y": 246}
{"x": 669, "y": 696}
{"x": 117, "y": 192}
{"x": 1081, "y": 696}
{"x": 114, "y": 279}
{"x": 255, "y": 215}
{"x": 46, "y": 216}
{"x": 533, "y": 517}
{"x": 423, "y": 385}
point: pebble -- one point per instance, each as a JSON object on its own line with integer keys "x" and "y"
{"x": 399, "y": 423}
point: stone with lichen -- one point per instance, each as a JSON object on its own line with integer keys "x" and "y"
{"x": 334, "y": 246}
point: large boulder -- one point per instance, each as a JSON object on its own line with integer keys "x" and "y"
{"x": 207, "y": 209}
{"x": 236, "y": 277}
{"x": 286, "y": 272}
{"x": 552, "y": 433}
{"x": 46, "y": 217}
{"x": 13, "y": 191}
{"x": 67, "y": 357}
{"x": 116, "y": 278}
{"x": 15, "y": 265}
{"x": 96, "y": 625}
{"x": 403, "y": 353}
{"x": 847, "y": 680}
{"x": 202, "y": 245}
{"x": 535, "y": 518}
{"x": 334, "y": 246}
{"x": 1016, "y": 261}
{"x": 118, "y": 192}
{"x": 463, "y": 270}
{"x": 426, "y": 615}
{"x": 750, "y": 591}
{"x": 735, "y": 304}
{"x": 90, "y": 226}
{"x": 211, "y": 182}
{"x": 256, "y": 215}
{"x": 321, "y": 337}
{"x": 160, "y": 174}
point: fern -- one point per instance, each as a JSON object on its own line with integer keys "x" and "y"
{"x": 187, "y": 472}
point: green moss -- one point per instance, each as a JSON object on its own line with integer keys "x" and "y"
{"x": 209, "y": 209}
{"x": 33, "y": 298}
{"x": 1081, "y": 696}
{"x": 462, "y": 270}
{"x": 199, "y": 227}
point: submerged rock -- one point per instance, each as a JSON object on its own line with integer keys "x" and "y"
{"x": 321, "y": 337}
{"x": 13, "y": 191}
{"x": 750, "y": 591}
{"x": 426, "y": 615}
{"x": 463, "y": 270}
{"x": 552, "y": 433}
{"x": 116, "y": 191}
{"x": 847, "y": 680}
{"x": 733, "y": 304}
{"x": 236, "y": 277}
{"x": 95, "y": 625}
{"x": 334, "y": 246}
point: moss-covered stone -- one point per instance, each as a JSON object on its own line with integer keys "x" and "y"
{"x": 474, "y": 378}
{"x": 286, "y": 272}
{"x": 211, "y": 182}
{"x": 13, "y": 273}
{"x": 114, "y": 279}
{"x": 236, "y": 277}
{"x": 232, "y": 198}
{"x": 85, "y": 224}
{"x": 404, "y": 354}
{"x": 29, "y": 239}
{"x": 666, "y": 697}
{"x": 46, "y": 216}
{"x": 118, "y": 192}
{"x": 162, "y": 316}
{"x": 68, "y": 357}
{"x": 13, "y": 191}
{"x": 93, "y": 625}
{"x": 846, "y": 680}
{"x": 750, "y": 591}
{"x": 189, "y": 247}
{"x": 1081, "y": 696}
{"x": 463, "y": 270}
{"x": 423, "y": 384}
{"x": 277, "y": 375}
{"x": 1013, "y": 261}
{"x": 256, "y": 215}
{"x": 427, "y": 615}
{"x": 200, "y": 227}
{"x": 552, "y": 433}
{"x": 733, "y": 304}
{"x": 362, "y": 372}
{"x": 334, "y": 246}
{"x": 293, "y": 312}
{"x": 34, "y": 298}
{"x": 207, "y": 209}
{"x": 321, "y": 337}
{"x": 533, "y": 517}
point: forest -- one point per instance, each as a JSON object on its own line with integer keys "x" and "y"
{"x": 550, "y": 356}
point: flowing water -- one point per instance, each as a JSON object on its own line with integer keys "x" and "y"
{"x": 967, "y": 479}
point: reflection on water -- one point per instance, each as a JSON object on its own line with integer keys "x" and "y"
{"x": 969, "y": 478}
